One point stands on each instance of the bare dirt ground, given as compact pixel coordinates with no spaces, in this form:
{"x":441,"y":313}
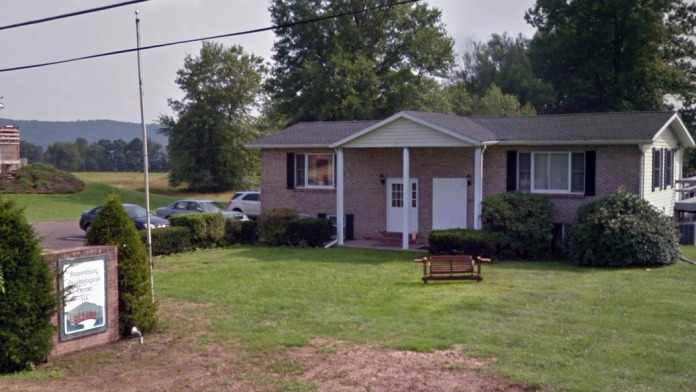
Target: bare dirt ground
{"x":179,"y":359}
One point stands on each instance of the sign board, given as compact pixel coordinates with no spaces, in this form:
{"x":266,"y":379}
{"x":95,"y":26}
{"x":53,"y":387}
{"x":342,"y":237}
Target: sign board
{"x":83,"y":288}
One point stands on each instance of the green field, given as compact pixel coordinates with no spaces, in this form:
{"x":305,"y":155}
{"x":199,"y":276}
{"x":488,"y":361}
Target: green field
{"x":547,"y":323}
{"x":69,"y":206}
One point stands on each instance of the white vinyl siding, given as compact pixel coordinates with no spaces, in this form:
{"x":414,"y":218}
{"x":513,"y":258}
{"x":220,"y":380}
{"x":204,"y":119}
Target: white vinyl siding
{"x":404,"y":133}
{"x":662,"y":198}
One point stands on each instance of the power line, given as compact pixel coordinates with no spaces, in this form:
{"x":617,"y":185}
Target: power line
{"x":71,"y":14}
{"x":245,"y":32}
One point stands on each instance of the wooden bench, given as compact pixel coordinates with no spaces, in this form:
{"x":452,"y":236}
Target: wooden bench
{"x":452,"y":267}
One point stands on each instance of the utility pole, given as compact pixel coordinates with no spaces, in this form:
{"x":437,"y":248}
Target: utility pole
{"x":146,"y":164}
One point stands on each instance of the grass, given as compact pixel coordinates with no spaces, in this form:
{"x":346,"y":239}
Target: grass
{"x":69,"y":206}
{"x":573,"y":329}
{"x":159,"y":184}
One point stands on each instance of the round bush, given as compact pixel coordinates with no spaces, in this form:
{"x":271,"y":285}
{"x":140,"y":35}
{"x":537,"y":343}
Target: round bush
{"x":623,"y":230}
{"x":28,"y":299}
{"x":523,"y":220}
{"x":273,"y":225}
{"x":113,"y":227}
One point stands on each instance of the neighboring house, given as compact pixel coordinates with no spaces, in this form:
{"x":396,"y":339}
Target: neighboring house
{"x":9,"y":149}
{"x":356,"y":169}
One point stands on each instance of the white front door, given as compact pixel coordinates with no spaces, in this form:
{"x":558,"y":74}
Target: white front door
{"x":449,"y":203}
{"x":395,"y":203}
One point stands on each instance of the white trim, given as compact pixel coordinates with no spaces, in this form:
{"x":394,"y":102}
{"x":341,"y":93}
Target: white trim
{"x":340,"y":208}
{"x":478,"y":186}
{"x":570,"y":142}
{"x":532,"y":184}
{"x":641,"y":172}
{"x":286,"y":146}
{"x":406,"y":116}
{"x":406,"y":210}
{"x":684,"y":131}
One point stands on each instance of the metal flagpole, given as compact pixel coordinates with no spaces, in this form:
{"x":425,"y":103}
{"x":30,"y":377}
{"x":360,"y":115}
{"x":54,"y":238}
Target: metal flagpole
{"x":146,"y":165}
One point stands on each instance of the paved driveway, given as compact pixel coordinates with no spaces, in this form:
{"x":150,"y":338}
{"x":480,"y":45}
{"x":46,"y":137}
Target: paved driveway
{"x":57,"y":235}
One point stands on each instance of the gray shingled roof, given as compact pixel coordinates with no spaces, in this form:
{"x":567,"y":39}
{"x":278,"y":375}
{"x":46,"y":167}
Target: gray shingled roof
{"x":632,"y":126}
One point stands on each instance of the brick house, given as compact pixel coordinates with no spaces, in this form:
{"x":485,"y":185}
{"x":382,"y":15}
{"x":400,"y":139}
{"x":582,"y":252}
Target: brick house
{"x":356,"y":170}
{"x":9,"y":149}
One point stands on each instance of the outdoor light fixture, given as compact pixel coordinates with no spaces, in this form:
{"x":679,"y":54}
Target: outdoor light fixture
{"x":382,"y":180}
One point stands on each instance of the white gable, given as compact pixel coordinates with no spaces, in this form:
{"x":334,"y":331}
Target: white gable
{"x":403,"y":132}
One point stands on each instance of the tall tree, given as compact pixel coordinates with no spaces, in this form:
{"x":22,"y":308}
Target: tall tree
{"x":214,"y":119}
{"x":504,"y":61}
{"x":32,"y":152}
{"x":496,"y":103}
{"x":358,"y":67}
{"x":613,"y":55}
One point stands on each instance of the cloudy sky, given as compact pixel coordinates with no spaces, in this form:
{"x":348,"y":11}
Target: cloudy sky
{"x":106,"y":88}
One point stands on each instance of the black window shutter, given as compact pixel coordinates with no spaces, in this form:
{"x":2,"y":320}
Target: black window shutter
{"x":291,"y":170}
{"x":350,"y":227}
{"x":590,"y":172}
{"x":655,"y":169}
{"x":511,"y":171}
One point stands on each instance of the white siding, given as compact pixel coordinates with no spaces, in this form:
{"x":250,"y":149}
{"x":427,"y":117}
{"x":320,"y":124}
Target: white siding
{"x":663,"y":199}
{"x":405,"y":133}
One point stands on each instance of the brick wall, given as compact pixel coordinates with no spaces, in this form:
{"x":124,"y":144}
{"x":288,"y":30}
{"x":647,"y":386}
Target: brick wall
{"x":111,"y":334}
{"x":617,"y":166}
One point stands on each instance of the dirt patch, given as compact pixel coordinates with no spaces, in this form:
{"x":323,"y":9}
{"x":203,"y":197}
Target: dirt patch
{"x":180,"y":358}
{"x":338,"y":367}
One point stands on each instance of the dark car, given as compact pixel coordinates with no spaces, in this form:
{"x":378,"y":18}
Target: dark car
{"x":135,"y":212}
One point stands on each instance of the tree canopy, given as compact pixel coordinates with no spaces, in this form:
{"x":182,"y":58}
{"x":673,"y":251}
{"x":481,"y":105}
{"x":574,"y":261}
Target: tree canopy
{"x":214,"y":119}
{"x":614,"y":55}
{"x":361,"y":67}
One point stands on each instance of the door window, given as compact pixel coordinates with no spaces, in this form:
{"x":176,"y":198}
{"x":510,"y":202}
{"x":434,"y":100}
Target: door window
{"x":397,"y":195}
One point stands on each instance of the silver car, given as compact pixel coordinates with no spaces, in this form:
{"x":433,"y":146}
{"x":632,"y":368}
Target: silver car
{"x":197,"y":206}
{"x":246,"y":202}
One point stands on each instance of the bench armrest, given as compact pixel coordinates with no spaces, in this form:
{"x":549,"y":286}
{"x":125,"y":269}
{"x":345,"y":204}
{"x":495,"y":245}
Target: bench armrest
{"x":420,"y":260}
{"x":483,"y":260}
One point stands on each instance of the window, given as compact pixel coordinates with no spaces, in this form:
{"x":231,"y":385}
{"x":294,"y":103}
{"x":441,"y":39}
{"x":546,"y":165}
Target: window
{"x":552,"y":172}
{"x":668,"y":179}
{"x":314,"y":170}
{"x":657,"y":169}
{"x":251,"y":197}
{"x":397,"y":195}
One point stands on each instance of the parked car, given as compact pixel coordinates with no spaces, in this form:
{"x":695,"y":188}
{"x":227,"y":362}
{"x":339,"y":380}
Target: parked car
{"x":135,"y":212}
{"x":247,"y":202}
{"x":198,"y":206}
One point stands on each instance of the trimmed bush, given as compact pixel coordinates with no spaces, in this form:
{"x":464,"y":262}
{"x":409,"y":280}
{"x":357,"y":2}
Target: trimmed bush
{"x":207,"y":230}
{"x":622,"y":230}
{"x":523,"y":220}
{"x":463,"y":241}
{"x":169,"y":240}
{"x":273,"y":225}
{"x":312,"y":232}
{"x":113,"y":227}
{"x":238,"y":232}
{"x":29,"y":299}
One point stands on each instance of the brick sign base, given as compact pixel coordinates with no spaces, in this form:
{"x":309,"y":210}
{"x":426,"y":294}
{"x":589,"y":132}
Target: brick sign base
{"x":109,"y":332}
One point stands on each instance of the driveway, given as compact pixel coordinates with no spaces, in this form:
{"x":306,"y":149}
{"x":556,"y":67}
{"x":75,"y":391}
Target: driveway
{"x":57,"y":235}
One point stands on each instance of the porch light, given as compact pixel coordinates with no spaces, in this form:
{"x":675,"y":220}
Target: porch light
{"x":382,"y":180}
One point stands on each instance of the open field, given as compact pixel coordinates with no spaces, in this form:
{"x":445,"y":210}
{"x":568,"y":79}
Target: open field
{"x":69,"y":206}
{"x":158,"y":184}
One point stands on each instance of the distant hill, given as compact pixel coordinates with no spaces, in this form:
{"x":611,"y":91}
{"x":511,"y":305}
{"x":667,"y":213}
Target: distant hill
{"x":44,"y":133}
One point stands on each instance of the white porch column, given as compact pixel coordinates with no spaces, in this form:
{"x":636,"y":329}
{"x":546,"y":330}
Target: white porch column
{"x":478,"y":186}
{"x":406,"y":210}
{"x":340,"y":208}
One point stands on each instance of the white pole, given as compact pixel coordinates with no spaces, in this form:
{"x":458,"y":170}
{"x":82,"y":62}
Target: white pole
{"x":340,"y":207}
{"x":146,"y":166}
{"x":478,"y":186}
{"x":406,"y":177}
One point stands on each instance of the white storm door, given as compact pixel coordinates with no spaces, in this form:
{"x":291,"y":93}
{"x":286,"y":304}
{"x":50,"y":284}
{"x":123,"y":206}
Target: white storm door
{"x":395,"y":203}
{"x":449,"y":203}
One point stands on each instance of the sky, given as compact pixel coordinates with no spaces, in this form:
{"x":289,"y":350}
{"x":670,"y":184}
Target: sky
{"x":107,"y":88}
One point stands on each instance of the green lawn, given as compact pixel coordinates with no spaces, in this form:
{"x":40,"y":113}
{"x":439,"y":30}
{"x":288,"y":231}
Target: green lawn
{"x":575,"y":329}
{"x":69,"y":206}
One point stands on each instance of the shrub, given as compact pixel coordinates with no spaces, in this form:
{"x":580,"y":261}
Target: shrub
{"x":207,"y":230}
{"x":40,"y":178}
{"x":463,"y":241}
{"x":523,"y":220}
{"x":313,"y":232}
{"x":622,"y":230}
{"x":29,"y":299}
{"x":238,"y":232}
{"x":113,"y":227}
{"x":169,"y":240}
{"x":273,"y":225}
